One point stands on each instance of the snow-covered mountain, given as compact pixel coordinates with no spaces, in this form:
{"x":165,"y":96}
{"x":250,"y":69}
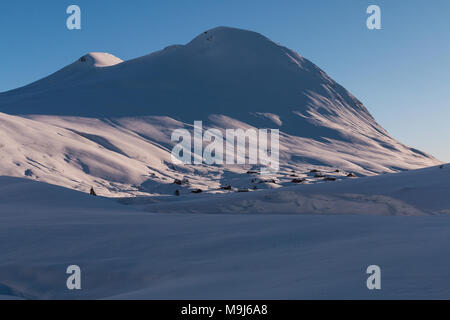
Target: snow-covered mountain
{"x":106,"y":123}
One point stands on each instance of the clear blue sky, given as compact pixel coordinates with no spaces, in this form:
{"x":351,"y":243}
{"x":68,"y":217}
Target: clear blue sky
{"x":401,"y":73}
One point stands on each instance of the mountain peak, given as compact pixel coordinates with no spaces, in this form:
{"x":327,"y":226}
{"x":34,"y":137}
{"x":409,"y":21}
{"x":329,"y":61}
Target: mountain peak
{"x":223,"y":36}
{"x":99,"y":59}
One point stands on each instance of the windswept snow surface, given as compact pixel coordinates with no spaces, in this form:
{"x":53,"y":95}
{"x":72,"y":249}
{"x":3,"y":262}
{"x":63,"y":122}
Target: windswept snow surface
{"x":412,"y":193}
{"x":106,"y":123}
{"x":129,"y":254}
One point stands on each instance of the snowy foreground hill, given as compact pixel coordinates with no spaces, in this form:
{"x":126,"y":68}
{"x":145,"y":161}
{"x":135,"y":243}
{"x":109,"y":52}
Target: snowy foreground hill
{"x":126,"y":253}
{"x":107,"y":123}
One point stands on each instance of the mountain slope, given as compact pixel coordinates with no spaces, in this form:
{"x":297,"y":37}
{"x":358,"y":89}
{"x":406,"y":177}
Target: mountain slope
{"x":228,"y":78}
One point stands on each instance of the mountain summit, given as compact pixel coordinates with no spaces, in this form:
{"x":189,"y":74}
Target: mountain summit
{"x":99,"y":59}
